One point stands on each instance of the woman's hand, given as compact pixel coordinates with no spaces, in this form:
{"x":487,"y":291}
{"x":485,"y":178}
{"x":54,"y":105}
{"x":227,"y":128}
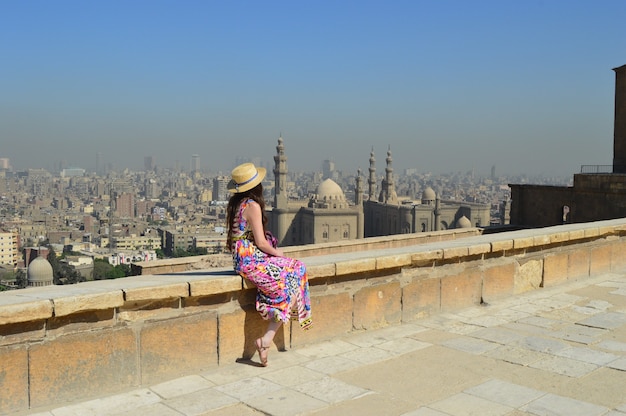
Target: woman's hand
{"x":253,"y":215}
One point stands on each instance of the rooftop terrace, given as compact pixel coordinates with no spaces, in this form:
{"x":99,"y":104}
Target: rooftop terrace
{"x":64,"y":345}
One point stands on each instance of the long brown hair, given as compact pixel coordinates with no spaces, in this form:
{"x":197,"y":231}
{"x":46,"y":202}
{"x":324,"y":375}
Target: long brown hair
{"x":256,"y":194}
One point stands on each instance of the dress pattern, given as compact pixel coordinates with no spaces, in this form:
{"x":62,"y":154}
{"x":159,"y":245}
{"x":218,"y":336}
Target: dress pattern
{"x":282,"y":283}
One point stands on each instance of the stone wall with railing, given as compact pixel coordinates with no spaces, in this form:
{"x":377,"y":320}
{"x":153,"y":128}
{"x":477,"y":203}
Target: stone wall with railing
{"x":65,"y":343}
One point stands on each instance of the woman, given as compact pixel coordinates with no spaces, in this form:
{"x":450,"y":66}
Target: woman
{"x":282,"y":284}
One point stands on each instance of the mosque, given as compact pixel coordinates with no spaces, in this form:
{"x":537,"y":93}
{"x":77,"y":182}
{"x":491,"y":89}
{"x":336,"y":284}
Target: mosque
{"x":39,"y":270}
{"x":329,"y":217}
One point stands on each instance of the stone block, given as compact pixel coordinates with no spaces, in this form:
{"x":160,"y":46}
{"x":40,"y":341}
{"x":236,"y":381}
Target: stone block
{"x":578,"y":263}
{"x":163,"y":291}
{"x":137,"y":311}
{"x":618,"y":259}
{"x":461,"y":290}
{"x":355,"y":266}
{"x":523,"y":242}
{"x":558,"y":237}
{"x":600,"y":259}
{"x":80,"y":322}
{"x":606,"y":230}
{"x":541,"y":240}
{"x":555,"y":269}
{"x":578,"y":234}
{"x":393,"y":261}
{"x":332,"y":317}
{"x":22,"y":332}
{"x":68,"y":305}
{"x":82,"y":365}
{"x":13,"y":379}
{"x":498,"y":280}
{"x":594,"y":232}
{"x":421,"y":298}
{"x":529,"y":276}
{"x":423,"y":257}
{"x":455,"y":252}
{"x":15,"y":309}
{"x":501,"y":245}
{"x":477,"y":249}
{"x":378,"y":305}
{"x":178,"y":346}
{"x":216,"y":285}
{"x":237,"y":333}
{"x":320,"y":271}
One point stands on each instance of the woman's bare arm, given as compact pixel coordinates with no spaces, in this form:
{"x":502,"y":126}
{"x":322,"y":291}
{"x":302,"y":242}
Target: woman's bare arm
{"x":253,"y":215}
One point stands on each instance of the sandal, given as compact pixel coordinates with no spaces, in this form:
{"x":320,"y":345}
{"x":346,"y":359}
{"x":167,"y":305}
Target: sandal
{"x":263,"y":351}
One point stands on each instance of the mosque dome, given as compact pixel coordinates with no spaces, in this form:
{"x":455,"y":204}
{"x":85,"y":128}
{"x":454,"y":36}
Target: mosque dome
{"x":428,"y":195}
{"x":40,"y":272}
{"x":463,"y":222}
{"x":328,"y":195}
{"x":328,"y":190}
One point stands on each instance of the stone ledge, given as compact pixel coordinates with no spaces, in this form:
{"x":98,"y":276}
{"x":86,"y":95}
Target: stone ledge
{"x":45,"y":302}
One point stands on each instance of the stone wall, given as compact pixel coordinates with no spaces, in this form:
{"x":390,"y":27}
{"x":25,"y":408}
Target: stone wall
{"x":64,"y":343}
{"x":593,"y":197}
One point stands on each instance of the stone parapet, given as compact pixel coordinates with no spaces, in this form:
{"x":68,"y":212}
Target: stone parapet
{"x":64,"y":343}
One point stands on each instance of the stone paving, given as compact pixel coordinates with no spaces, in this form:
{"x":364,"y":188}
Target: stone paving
{"x":555,"y":351}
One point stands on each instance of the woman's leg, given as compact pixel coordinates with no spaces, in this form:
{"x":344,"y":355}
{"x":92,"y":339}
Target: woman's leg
{"x":272,"y":328}
{"x":263,"y":343}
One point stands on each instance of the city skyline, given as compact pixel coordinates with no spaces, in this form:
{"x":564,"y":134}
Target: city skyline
{"x":449,"y":86}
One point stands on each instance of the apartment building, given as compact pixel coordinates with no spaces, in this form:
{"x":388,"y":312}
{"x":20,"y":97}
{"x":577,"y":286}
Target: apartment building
{"x":9,"y":253}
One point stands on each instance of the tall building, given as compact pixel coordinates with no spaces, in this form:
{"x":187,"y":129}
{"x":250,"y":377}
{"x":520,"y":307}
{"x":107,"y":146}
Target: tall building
{"x":124,"y":205}
{"x":220,"y":190}
{"x":5,"y":163}
{"x":148,"y":163}
{"x":9,"y":253}
{"x":328,"y":169}
{"x":195,"y":163}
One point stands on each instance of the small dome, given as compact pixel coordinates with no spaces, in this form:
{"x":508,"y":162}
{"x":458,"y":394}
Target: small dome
{"x":329,"y":190}
{"x":463,"y":222}
{"x":429,"y":194}
{"x":40,"y":272}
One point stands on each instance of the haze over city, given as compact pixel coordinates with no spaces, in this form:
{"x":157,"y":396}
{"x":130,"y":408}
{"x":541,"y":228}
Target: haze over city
{"x":448,"y":85}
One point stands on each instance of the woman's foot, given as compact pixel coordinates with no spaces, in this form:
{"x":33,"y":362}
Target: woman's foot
{"x":263,"y":351}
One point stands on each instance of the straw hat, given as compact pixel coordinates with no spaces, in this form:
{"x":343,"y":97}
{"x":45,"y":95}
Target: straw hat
{"x":245,"y":177}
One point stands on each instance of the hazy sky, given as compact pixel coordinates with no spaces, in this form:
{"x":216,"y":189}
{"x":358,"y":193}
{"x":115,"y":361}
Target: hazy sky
{"x":449,"y":85}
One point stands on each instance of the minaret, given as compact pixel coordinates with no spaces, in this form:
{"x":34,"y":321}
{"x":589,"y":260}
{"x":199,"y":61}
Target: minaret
{"x":358,"y":201}
{"x":358,"y":197}
{"x":280,"y":176}
{"x":372,"y":179}
{"x":619,"y":129}
{"x":437,"y":212}
{"x":390,"y":191}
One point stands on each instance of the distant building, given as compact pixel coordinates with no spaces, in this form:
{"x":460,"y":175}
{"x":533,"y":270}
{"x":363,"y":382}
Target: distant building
{"x":195,"y":163}
{"x":124,"y":205}
{"x":72,"y":172}
{"x":220,"y":190}
{"x":9,"y":253}
{"x":329,"y":217}
{"x":325,"y":217}
{"x":388,"y":215}
{"x":39,"y":270}
{"x":148,"y":163}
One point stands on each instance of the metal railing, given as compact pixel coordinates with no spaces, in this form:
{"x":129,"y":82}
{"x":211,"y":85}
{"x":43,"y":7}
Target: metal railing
{"x":601,"y":168}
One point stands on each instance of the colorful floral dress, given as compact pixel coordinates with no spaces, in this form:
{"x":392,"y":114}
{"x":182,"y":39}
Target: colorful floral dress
{"x":283,"y":287}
